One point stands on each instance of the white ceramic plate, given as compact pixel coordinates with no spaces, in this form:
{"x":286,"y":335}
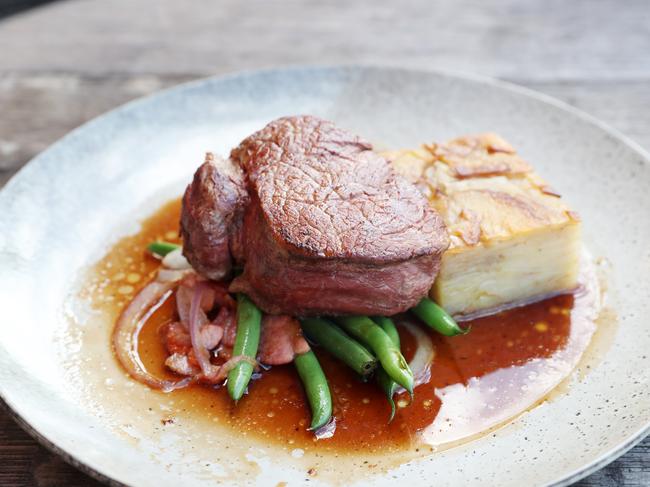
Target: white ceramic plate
{"x":69,"y":204}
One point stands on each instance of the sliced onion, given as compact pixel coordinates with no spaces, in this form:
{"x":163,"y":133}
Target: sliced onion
{"x":197,"y":319}
{"x":172,"y":275}
{"x":420,"y":364}
{"x":175,"y":260}
{"x":220,"y":372}
{"x":127,"y":329}
{"x":327,"y":430}
{"x":229,"y":364}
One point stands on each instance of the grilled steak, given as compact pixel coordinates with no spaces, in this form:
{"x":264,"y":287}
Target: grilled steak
{"x":328,"y":228}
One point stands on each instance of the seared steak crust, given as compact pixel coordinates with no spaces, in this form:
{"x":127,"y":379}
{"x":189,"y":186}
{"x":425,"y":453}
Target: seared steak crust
{"x":325,"y":194}
{"x":329,"y":228}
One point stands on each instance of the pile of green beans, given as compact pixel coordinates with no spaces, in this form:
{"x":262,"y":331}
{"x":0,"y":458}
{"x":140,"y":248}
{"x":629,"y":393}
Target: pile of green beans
{"x":376,"y":339}
{"x":359,"y":339}
{"x":338,"y":343}
{"x":369,"y":346}
{"x":379,"y":335}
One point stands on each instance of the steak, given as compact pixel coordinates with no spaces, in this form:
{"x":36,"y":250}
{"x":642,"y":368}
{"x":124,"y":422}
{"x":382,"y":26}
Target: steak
{"x":328,"y":227}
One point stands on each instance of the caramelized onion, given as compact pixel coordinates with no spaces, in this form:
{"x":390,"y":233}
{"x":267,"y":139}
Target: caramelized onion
{"x":327,"y":430}
{"x":128,"y":326}
{"x":172,"y":275}
{"x":220,"y":372}
{"x":175,"y":260}
{"x":231,"y":362}
{"x":420,"y":364}
{"x":196,"y":320}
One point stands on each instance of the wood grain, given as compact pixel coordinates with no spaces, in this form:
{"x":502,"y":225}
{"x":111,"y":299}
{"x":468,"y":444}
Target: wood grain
{"x":66,"y":62}
{"x":23,"y":462}
{"x":551,"y":39}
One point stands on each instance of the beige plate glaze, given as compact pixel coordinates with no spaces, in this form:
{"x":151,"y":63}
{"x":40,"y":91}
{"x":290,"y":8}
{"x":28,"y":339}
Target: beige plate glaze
{"x":64,"y":209}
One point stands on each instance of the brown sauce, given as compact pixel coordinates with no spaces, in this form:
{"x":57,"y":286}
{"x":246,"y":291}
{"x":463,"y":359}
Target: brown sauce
{"x":506,"y":364}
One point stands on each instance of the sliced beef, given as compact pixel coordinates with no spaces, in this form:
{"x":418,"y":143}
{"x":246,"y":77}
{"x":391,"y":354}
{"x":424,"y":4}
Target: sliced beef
{"x":328,"y":227}
{"x":213,"y":207}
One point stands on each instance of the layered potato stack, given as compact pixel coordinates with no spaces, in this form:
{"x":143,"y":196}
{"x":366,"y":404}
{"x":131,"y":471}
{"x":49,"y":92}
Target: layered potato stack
{"x":513,"y":239}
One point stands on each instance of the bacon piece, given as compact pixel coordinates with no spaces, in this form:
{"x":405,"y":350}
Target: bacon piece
{"x":176,"y":338}
{"x":180,"y":364}
{"x":281,"y":340}
{"x":300,"y":345}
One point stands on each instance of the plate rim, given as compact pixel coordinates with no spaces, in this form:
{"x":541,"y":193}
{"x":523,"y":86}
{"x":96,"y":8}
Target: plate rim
{"x":574,"y":476}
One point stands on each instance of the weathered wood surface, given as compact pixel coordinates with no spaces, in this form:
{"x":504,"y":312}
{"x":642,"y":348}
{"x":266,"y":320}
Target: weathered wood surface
{"x":541,"y":40}
{"x":67,"y":62}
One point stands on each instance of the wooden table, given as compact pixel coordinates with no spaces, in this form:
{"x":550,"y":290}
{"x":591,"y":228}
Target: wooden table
{"x":67,"y":62}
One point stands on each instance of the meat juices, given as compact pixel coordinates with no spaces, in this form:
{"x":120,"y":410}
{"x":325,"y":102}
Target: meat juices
{"x":327,"y":225}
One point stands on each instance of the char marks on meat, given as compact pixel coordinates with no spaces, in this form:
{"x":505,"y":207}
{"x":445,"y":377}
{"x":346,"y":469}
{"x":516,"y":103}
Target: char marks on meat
{"x":327,"y":228}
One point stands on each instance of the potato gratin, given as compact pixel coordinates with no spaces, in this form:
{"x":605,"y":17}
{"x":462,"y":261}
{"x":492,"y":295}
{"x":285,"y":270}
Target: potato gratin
{"x":513,"y":239}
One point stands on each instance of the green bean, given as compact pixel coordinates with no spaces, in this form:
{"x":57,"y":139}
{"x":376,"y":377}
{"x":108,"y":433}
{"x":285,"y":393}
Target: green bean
{"x":388,"y":385}
{"x":389,"y":327}
{"x":389,"y":355}
{"x":316,"y":388}
{"x":162,"y":248}
{"x":338,"y":343}
{"x":437,"y":318}
{"x":249,"y":321}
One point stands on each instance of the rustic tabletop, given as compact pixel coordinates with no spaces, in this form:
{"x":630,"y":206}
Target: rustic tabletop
{"x":66,"y":62}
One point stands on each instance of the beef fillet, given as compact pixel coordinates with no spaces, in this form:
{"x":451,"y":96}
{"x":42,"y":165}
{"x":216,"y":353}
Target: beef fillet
{"x":328,"y":227}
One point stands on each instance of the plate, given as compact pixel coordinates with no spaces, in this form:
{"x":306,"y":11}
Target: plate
{"x":67,"y":206}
